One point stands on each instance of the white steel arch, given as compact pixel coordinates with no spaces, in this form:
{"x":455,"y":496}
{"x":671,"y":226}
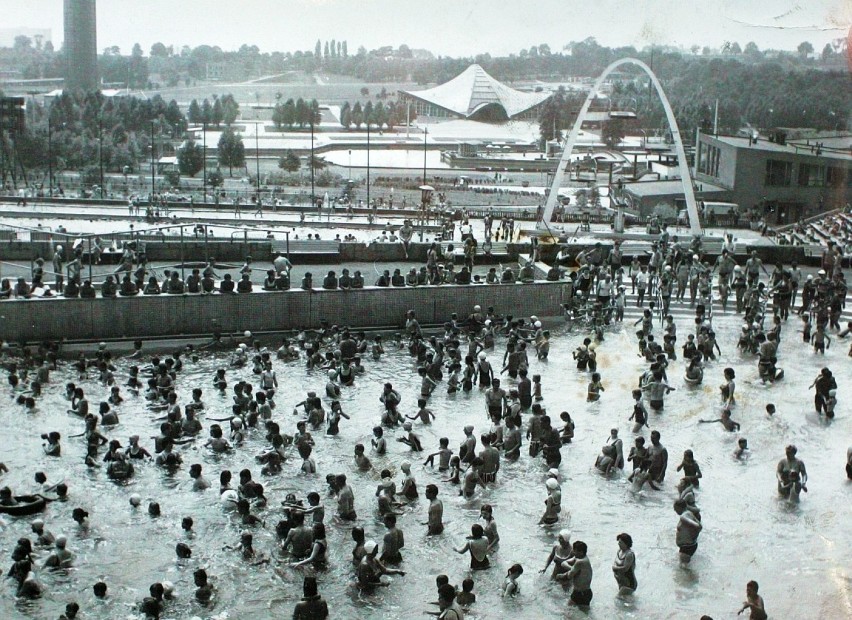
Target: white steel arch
{"x":683,"y":166}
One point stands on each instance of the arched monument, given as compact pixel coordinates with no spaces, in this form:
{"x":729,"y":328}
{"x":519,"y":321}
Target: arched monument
{"x":683,"y":166}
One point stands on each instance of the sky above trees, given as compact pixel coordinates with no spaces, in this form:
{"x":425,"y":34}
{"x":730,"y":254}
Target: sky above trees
{"x":448,"y":27}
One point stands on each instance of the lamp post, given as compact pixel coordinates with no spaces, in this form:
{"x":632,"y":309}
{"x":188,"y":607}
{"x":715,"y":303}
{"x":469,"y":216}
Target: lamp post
{"x":153,"y":189}
{"x":425,"y":199}
{"x":100,"y":152}
{"x":350,"y":164}
{"x":368,"y":164}
{"x":311,"y":161}
{"x":50,"y":157}
{"x":257,"y":160}
{"x":204,"y":149}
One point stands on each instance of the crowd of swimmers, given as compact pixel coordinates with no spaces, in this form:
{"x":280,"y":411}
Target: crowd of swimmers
{"x":461,"y":357}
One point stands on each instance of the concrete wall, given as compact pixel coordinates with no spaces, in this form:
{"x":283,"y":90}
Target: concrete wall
{"x":167,"y":315}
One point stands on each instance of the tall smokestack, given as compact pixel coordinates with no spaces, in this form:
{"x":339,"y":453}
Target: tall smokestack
{"x":81,"y":46}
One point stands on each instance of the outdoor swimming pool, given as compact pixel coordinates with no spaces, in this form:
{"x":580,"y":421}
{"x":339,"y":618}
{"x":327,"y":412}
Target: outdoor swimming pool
{"x":799,"y":555}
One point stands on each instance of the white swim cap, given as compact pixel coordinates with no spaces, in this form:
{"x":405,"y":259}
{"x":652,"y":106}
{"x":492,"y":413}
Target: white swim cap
{"x":135,"y":500}
{"x":477,"y":308}
{"x":695,"y":257}
{"x":553,"y":472}
{"x":370,"y":546}
{"x":332,"y":374}
{"x":482,"y":356}
{"x":247,"y":334}
{"x":551,"y":484}
{"x":229,"y":498}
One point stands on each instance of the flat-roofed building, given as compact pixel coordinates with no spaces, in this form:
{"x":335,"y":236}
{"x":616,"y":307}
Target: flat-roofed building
{"x":783,"y":179}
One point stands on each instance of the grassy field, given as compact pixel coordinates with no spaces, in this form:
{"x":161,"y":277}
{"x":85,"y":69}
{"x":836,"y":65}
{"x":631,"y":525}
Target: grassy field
{"x":326,"y":89}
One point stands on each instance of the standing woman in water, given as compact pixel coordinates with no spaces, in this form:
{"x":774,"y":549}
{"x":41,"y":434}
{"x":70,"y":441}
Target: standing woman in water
{"x":624,"y":566}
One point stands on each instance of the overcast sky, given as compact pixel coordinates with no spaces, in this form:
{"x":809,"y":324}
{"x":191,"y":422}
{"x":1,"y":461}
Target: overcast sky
{"x":448,"y":27}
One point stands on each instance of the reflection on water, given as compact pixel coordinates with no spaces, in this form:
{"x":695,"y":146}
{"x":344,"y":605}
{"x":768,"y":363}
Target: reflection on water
{"x":799,"y":555}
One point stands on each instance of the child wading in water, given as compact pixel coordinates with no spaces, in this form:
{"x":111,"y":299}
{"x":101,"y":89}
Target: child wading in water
{"x":595,"y":388}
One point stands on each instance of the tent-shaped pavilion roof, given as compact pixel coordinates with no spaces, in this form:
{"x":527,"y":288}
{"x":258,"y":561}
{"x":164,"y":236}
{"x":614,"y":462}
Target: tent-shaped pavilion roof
{"x":473,"y":89}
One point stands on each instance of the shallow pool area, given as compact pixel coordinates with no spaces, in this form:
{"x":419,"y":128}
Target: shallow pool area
{"x":798,"y":554}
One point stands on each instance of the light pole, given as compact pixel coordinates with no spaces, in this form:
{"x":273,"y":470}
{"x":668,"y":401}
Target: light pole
{"x":153,"y":189}
{"x":311,"y":162}
{"x":100,"y":152}
{"x":50,"y":157}
{"x":204,"y":149}
{"x":257,"y":160}
{"x":368,"y":164}
{"x":350,"y":164}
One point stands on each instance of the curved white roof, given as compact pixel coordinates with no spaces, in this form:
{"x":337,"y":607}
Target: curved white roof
{"x":473,"y":89}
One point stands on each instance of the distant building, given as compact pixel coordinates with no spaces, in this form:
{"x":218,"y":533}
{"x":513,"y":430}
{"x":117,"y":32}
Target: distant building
{"x":785,"y":179}
{"x":475,"y":95}
{"x":81,"y":46}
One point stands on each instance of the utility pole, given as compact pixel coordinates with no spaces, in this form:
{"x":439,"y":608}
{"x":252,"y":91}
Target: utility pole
{"x":311,"y":162}
{"x":204,"y":148}
{"x":368,"y":164}
{"x":153,"y":189}
{"x":101,"y":152}
{"x":49,"y":156}
{"x":257,"y":160}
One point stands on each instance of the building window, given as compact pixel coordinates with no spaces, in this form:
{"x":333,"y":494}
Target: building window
{"x":709,"y":160}
{"x":811,"y":175}
{"x":778,"y":173}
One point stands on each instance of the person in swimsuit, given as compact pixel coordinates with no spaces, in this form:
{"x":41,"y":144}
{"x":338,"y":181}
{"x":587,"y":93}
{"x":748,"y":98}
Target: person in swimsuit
{"x":436,"y":511}
{"x":754,"y":603}
{"x":553,"y":503}
{"x":786,"y":467}
{"x":624,"y":566}
{"x":561,"y":556}
{"x":688,"y":528}
{"x":477,"y":545}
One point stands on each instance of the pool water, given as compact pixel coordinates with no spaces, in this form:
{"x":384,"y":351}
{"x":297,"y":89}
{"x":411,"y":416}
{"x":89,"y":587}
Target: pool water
{"x":799,"y":555}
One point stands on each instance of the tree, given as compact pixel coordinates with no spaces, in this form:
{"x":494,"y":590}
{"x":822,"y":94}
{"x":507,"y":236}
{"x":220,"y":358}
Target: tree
{"x":346,"y":116}
{"x":369,"y":117}
{"x":735,"y":49}
{"x":137,"y":51}
{"x":317,"y":163}
{"x":318,"y":50}
{"x":232,"y":151}
{"x":22,"y":42}
{"x":365,"y":92}
{"x":345,"y":50}
{"x":190,"y":159}
{"x":357,"y":115}
{"x":325,"y":52}
{"x":303,"y":115}
{"x":751,"y":51}
{"x":379,"y":115}
{"x":613,"y":132}
{"x":805,"y":49}
{"x":288,"y":116}
{"x":289,"y":161}
{"x":230,"y":109}
{"x":827,"y":52}
{"x":206,"y":111}
{"x":218,"y":114}
{"x":194,"y":113}
{"x":158,"y":50}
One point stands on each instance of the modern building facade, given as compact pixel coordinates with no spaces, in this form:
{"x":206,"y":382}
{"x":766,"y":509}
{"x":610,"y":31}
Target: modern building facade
{"x":81,"y":46}
{"x":784,"y":180}
{"x":475,"y":95}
